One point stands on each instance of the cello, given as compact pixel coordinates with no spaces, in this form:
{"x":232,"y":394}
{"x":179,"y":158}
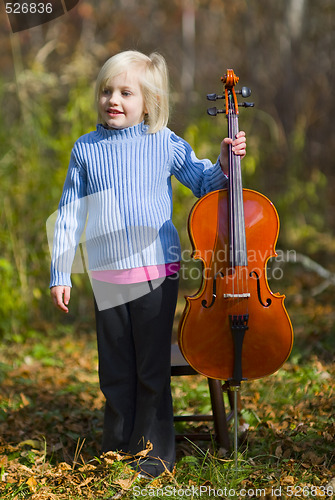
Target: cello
{"x":234,"y":328}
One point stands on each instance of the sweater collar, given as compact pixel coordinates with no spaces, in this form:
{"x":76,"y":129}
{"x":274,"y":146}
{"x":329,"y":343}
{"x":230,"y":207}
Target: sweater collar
{"x":124,"y":133}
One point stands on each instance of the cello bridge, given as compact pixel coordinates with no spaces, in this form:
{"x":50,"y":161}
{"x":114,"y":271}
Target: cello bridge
{"x":236,"y":295}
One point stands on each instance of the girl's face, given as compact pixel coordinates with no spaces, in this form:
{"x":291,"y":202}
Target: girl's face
{"x":121,"y":102}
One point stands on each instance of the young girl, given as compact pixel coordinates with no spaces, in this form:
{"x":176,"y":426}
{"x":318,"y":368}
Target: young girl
{"x":120,"y":176}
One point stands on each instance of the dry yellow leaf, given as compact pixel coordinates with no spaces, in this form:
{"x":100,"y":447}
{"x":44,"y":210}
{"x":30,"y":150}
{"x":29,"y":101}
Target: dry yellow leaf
{"x":144,"y":453}
{"x":24,"y":400}
{"x":288,"y":480}
{"x":125,"y":483}
{"x":32,"y":483}
{"x":110,"y":457}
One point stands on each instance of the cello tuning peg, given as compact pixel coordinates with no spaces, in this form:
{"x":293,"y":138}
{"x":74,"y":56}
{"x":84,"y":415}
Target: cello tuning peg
{"x":214,"y":111}
{"x":247,"y":104}
{"x":214,"y":97}
{"x":245,"y":91}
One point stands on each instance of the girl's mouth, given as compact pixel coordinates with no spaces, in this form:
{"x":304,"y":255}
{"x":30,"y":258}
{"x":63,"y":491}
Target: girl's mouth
{"x":114,"y":112}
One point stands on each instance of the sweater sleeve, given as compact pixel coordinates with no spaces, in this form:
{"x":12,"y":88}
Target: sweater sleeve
{"x":201,"y":176}
{"x":70,"y":223}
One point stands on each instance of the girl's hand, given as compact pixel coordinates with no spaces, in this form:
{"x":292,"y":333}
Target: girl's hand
{"x":239,"y":147}
{"x":57,"y":293}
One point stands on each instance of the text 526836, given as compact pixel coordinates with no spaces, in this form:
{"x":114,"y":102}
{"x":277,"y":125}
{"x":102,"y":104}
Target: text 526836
{"x":28,"y":8}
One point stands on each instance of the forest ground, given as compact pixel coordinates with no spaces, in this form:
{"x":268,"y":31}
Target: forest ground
{"x":51,"y":413}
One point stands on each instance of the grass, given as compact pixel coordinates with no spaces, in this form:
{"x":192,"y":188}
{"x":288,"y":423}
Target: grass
{"x":51,"y":413}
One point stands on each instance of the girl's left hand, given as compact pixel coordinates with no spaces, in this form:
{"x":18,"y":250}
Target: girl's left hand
{"x":239,"y":147}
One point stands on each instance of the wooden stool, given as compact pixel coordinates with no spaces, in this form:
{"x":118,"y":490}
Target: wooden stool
{"x":180,"y":367}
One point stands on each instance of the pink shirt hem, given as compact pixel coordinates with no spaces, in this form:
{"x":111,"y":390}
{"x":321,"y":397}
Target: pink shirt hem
{"x":136,"y":275}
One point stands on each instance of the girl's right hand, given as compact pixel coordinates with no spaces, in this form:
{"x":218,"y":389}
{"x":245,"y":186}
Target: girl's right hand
{"x":61,"y":296}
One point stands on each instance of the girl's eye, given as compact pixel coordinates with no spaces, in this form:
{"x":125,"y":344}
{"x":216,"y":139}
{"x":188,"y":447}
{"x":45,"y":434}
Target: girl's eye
{"x":106,"y":91}
{"x":126,"y":93}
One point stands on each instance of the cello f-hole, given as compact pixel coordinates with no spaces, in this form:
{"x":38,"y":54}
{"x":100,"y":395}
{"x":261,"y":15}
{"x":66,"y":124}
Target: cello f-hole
{"x":268,"y":301}
{"x":204,"y":302}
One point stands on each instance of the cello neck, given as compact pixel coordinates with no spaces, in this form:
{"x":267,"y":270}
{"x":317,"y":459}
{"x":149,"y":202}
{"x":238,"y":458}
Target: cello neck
{"x":237,"y":239}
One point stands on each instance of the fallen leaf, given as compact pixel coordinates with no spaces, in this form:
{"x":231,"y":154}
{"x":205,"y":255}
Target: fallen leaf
{"x":110,"y":457}
{"x":63,"y":466}
{"x":279,"y":451}
{"x":313,"y":458}
{"x":33,"y":443}
{"x":32,"y":483}
{"x":24,"y":400}
{"x":288,"y":480}
{"x":125,"y":483}
{"x":144,"y":453}
{"x":87,"y":480}
{"x":87,"y":468}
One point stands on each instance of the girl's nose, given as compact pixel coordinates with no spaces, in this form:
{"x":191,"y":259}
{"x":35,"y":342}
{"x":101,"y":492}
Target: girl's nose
{"x":113,"y":98}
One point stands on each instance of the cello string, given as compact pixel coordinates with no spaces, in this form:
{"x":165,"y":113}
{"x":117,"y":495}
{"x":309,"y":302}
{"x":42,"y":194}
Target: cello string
{"x":238,"y":217}
{"x":237,"y":220}
{"x":232,"y":235}
{"x":242,"y":232}
{"x":235,"y":210}
{"x":240,"y":251}
{"x":235,"y":217}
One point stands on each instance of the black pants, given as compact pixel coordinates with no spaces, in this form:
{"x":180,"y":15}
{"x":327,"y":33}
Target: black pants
{"x":134,"y":346}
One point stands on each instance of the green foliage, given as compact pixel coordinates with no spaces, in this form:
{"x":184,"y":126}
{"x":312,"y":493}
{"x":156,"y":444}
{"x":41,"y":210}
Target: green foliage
{"x":12,"y":307}
{"x":35,"y":150}
{"x":302,"y":205}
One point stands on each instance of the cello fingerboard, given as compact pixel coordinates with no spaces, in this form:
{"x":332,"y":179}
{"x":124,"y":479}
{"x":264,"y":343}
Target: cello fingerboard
{"x":237,"y":239}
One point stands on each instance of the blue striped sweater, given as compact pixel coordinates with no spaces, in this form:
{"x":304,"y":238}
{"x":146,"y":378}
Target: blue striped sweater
{"x":119,"y":181}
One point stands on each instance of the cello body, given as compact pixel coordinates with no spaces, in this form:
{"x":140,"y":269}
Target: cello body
{"x":204,"y":333}
{"x":234,"y":328}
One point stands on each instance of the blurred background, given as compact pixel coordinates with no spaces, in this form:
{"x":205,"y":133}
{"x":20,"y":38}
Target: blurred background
{"x":283,"y":51}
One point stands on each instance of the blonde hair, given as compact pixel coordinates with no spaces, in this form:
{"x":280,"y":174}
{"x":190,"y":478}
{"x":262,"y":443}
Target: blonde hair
{"x":153,"y":79}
